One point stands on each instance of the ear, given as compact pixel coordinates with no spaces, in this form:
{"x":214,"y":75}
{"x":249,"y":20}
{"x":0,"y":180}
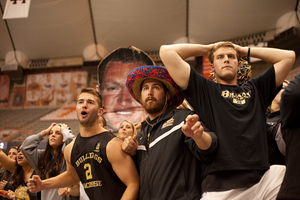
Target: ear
{"x":168,"y":95}
{"x":100,"y":111}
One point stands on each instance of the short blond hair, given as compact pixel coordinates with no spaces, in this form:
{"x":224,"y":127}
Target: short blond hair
{"x":222,"y":44}
{"x":132,"y":125}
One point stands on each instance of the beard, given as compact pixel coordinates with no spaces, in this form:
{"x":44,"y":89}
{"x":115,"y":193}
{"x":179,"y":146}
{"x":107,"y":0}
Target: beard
{"x":90,"y":121}
{"x":154,"y":107}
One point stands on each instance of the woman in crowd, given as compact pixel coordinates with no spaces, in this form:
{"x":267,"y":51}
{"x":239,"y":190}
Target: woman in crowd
{"x":12,"y":154}
{"x":50,"y":161}
{"x":21,"y":172}
{"x":126,"y":129}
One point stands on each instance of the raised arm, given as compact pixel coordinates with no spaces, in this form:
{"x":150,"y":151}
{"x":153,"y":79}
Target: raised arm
{"x":282,"y":60}
{"x":8,"y":163}
{"x":173,"y":57}
{"x":65,"y":179}
{"x":67,"y":133}
{"x":124,"y":167}
{"x":30,"y":150}
{"x":193,"y":128}
{"x":205,"y":142}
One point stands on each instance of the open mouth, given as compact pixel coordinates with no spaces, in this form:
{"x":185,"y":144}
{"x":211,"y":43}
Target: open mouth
{"x":83,"y":113}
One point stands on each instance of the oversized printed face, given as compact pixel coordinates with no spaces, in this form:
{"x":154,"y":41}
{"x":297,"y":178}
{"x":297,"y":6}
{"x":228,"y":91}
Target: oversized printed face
{"x":117,"y":101}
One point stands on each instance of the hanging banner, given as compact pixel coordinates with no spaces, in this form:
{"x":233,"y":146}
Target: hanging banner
{"x":206,"y":67}
{"x":16,"y":9}
{"x":54,"y":89}
{"x":4,"y":88}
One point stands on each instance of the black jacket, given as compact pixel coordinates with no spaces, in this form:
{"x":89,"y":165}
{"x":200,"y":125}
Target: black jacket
{"x":290,"y":113}
{"x":169,"y":163}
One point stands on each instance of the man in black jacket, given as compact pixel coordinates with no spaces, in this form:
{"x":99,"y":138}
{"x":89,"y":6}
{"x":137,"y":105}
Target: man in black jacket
{"x":172,"y":142}
{"x":290,"y":127}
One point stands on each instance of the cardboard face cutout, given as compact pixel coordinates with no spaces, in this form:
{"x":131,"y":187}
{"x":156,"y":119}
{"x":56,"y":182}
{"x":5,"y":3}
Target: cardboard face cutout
{"x":112,"y":73}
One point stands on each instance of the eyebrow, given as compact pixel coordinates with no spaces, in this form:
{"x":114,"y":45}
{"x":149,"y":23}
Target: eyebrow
{"x":224,"y":54}
{"x":113,"y":83}
{"x":85,"y":100}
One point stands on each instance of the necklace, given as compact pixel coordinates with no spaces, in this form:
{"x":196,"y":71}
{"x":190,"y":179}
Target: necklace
{"x":148,"y":135}
{"x":153,"y":123}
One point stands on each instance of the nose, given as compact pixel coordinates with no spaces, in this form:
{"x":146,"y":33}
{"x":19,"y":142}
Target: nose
{"x":84,"y":104}
{"x":226,"y":58}
{"x":124,"y":97}
{"x":150,"y":91}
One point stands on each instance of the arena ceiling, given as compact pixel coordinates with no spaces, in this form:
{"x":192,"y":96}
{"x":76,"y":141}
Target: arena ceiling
{"x":71,"y":28}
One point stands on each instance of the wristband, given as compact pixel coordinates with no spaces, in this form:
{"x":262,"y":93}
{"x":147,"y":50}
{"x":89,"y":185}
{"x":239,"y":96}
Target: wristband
{"x":249,"y":52}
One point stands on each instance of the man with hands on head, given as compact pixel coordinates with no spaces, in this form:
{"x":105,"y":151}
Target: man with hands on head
{"x":95,"y":157}
{"x":235,"y":113}
{"x":168,"y":151}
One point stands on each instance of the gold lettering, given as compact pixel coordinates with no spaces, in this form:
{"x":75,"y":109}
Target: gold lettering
{"x":92,"y":155}
{"x":87,"y":156}
{"x":236,"y":98}
{"x":92,"y":184}
{"x":88,"y":171}
{"x":77,"y":163}
{"x":225,"y":93}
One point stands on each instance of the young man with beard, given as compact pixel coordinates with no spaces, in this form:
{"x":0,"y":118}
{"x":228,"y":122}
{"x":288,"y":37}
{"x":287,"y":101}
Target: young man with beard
{"x":240,"y":169}
{"x":168,"y":151}
{"x":95,"y":157}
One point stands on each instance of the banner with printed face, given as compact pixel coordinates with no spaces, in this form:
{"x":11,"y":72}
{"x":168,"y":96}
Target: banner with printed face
{"x":19,"y":97}
{"x":54,"y":89}
{"x":118,"y":104}
{"x":4,"y":88}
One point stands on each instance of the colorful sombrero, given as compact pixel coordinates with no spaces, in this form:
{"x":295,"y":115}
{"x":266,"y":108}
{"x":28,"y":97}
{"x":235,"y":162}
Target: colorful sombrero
{"x":138,"y":75}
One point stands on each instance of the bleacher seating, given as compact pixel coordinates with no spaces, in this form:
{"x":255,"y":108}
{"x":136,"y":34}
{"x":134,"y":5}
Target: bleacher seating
{"x":20,"y":123}
{"x":15,"y":118}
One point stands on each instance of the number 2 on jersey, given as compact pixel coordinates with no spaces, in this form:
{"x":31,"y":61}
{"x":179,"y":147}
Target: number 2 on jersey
{"x":88,"y":172}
